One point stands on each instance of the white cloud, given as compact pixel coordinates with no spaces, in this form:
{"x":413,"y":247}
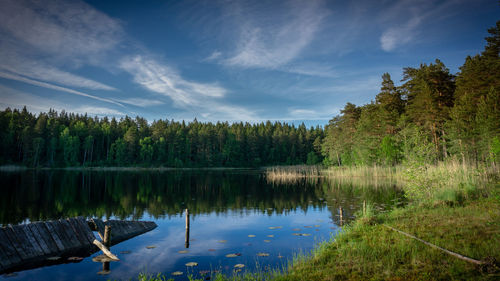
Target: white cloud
{"x":202,"y":99}
{"x":17,"y":99}
{"x":265,"y":45}
{"x":60,"y":28}
{"x":54,"y":87}
{"x":214,"y":56}
{"x":406,"y":18}
{"x":142,"y":102}
{"x":42,"y":71}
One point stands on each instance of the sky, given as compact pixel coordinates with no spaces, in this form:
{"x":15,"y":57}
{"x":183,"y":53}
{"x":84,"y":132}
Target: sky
{"x":293,"y":61}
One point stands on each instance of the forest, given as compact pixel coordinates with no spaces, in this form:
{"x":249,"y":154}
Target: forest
{"x":431,"y":116}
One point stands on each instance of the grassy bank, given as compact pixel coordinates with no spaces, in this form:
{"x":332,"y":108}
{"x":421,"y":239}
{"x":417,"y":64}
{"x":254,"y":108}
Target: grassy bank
{"x":454,"y":206}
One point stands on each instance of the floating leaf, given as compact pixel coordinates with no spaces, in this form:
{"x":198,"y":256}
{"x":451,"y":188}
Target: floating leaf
{"x":280,"y":256}
{"x":270,"y":235}
{"x":222,"y":241}
{"x":251,"y":235}
{"x":240,"y":265}
{"x":263,"y":254}
{"x":101,"y":258}
{"x":211,"y":250}
{"x":125,"y":252}
{"x":306,"y":234}
{"x":296,"y":229}
{"x":317,"y":225}
{"x":75,"y":258}
{"x":267,"y":241}
{"x":177,"y":273}
{"x":275,"y":227}
{"x":308,"y":226}
{"x":231,"y":255}
{"x":151,"y":247}
{"x":53,"y":258}
{"x":237,"y":270}
{"x":183,"y":252}
{"x":192,"y":264}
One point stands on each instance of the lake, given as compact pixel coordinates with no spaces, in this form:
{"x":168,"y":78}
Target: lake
{"x":258,"y":223}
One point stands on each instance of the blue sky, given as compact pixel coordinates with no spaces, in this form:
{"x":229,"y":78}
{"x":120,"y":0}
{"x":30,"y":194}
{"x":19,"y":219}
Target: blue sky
{"x":224,"y":60}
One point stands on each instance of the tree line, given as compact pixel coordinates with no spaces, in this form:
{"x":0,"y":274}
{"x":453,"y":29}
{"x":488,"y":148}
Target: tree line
{"x":431,"y":116}
{"x":64,"y":139}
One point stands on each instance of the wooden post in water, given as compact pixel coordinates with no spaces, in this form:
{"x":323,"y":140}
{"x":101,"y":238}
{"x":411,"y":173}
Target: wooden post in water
{"x":107,"y":243}
{"x":186,"y":244}
{"x":341,"y":214}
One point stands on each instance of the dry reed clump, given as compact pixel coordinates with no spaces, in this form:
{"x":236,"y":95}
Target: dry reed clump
{"x":292,"y":174}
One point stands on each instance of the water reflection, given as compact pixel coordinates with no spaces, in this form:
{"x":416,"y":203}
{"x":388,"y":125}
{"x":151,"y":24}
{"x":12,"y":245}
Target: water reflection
{"x":215,"y":218}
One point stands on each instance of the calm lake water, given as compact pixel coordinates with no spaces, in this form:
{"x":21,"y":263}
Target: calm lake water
{"x":225,"y":206}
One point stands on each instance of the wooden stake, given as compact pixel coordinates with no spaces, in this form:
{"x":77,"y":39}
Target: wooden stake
{"x":186,"y":244}
{"x":341,"y":214}
{"x":364,"y":207}
{"x":107,"y":236}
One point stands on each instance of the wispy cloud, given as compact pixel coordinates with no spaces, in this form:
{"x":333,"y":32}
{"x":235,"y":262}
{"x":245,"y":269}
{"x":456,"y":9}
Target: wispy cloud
{"x":54,"y":87}
{"x":271,"y":46}
{"x":407,"y":17}
{"x":142,"y":102}
{"x":17,"y":99}
{"x":58,"y":27}
{"x":204,"y":99}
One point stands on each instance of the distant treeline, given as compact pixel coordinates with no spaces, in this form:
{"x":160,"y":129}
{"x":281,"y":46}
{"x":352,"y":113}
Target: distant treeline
{"x":433,"y":115}
{"x":61,"y":139}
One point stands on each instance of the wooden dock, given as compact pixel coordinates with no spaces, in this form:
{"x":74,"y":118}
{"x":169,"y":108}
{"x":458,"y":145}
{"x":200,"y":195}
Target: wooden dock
{"x":36,"y":244}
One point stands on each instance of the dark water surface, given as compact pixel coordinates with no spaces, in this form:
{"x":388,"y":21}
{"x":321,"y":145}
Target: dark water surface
{"x":225,"y":206}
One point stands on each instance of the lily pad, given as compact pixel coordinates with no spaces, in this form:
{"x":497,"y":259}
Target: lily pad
{"x":240,"y":265}
{"x":191,"y":264}
{"x":125,"y":252}
{"x":267,"y":241}
{"x":222,"y":241}
{"x":275,"y":227}
{"x":75,"y":258}
{"x":53,"y":258}
{"x":263,"y":254}
{"x":251,"y":235}
{"x":270,"y":235}
{"x":183,"y":252}
{"x":151,"y":247}
{"x":177,"y":273}
{"x":101,"y":258}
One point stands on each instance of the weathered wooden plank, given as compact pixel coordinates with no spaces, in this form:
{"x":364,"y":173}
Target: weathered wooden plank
{"x":4,"y":262}
{"x":78,"y":232}
{"x":32,"y":241}
{"x":62,"y":234}
{"x":38,"y":237}
{"x":85,"y":230}
{"x":75,"y":244}
{"x":10,"y":253}
{"x":53,"y":233}
{"x":9,"y":232}
{"x":105,"y":250}
{"x":28,"y":247}
{"x":44,"y":233}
